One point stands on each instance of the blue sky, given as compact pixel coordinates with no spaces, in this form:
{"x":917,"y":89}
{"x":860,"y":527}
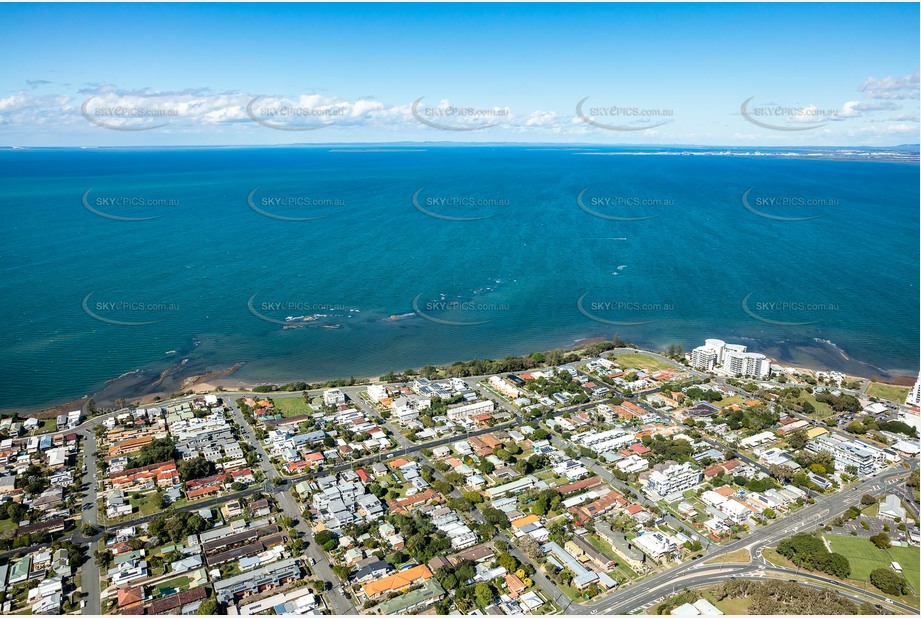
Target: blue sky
{"x":813,"y":74}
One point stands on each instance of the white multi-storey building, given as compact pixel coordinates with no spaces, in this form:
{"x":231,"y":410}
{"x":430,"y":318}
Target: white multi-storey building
{"x":748,"y":364}
{"x":914,"y":395}
{"x":731,"y":358}
{"x":704,"y":358}
{"x":471,"y":409}
{"x":677,"y":477}
{"x":333,"y":397}
{"x":867,"y":459}
{"x":376,"y":392}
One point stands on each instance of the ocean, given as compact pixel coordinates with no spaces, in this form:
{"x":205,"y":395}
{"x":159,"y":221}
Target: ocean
{"x":325,"y":262}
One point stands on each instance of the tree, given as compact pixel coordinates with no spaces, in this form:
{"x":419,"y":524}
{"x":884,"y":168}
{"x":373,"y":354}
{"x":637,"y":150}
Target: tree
{"x":196,"y":468}
{"x":868,"y":499}
{"x":881,"y":540}
{"x":460,"y":504}
{"x":496,"y":517}
{"x":158,"y":450}
{"x":209,"y":607}
{"x":484,"y":595}
{"x":888,"y":581}
{"x":781,"y":472}
{"x":324,"y":537}
{"x":507,"y":561}
{"x":474,"y":497}
{"x":837,"y":565}
{"x":856,"y":427}
{"x":529,"y":547}
{"x":342,"y":572}
{"x":798,"y":439}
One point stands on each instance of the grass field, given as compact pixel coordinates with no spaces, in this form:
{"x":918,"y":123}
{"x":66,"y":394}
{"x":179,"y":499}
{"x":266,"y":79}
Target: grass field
{"x":740,"y":555}
{"x":822,"y":410}
{"x":7,"y":524}
{"x":47,"y":425}
{"x":889,"y":392}
{"x":864,"y":557}
{"x":641,"y":361}
{"x":292,"y":406}
{"x":728,"y":401}
{"x":730,"y":607}
{"x":146,"y":504}
{"x":771,"y":555}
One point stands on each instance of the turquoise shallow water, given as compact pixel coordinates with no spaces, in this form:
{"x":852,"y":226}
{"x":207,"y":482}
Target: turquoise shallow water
{"x":686,"y":256}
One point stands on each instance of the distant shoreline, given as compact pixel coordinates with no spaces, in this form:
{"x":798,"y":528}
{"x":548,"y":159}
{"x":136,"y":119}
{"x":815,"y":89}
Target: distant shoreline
{"x":142,"y":390}
{"x":900,"y":153}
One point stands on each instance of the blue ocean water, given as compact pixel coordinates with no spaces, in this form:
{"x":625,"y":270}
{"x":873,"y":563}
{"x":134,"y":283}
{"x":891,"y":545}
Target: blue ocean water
{"x":659,"y":248}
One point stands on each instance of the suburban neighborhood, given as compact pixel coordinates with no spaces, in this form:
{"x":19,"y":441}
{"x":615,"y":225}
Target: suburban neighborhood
{"x":558,"y":488}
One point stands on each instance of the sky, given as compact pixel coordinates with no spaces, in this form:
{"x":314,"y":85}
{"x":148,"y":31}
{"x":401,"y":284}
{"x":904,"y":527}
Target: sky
{"x":644,"y":74}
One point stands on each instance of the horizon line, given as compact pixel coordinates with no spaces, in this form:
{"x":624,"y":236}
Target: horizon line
{"x":463,"y":143}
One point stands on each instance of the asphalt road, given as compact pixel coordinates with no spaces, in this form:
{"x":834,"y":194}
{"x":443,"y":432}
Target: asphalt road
{"x":691,"y":574}
{"x":322,"y":569}
{"x":622,"y":601}
{"x":89,"y":572}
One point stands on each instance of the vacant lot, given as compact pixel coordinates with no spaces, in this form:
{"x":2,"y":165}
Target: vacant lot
{"x":641,"y":361}
{"x":889,"y":392}
{"x":822,"y":410}
{"x":292,"y":406}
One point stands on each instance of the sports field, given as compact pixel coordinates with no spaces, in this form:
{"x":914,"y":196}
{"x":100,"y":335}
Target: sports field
{"x":864,"y":557}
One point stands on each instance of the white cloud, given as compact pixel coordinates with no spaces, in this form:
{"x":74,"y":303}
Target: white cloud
{"x":856,"y":109}
{"x":541,"y":119}
{"x":905,"y":87}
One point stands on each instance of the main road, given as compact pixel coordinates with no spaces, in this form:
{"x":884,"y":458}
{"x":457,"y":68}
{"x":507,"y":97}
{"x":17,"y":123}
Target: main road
{"x":695,"y":573}
{"x":621,"y":601}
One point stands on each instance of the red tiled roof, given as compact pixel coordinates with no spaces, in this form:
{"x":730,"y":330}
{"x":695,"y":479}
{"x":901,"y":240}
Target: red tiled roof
{"x":129,"y":596}
{"x":578,"y":485}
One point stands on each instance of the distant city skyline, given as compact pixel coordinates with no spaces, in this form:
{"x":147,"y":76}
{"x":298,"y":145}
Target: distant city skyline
{"x":635,"y":74}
